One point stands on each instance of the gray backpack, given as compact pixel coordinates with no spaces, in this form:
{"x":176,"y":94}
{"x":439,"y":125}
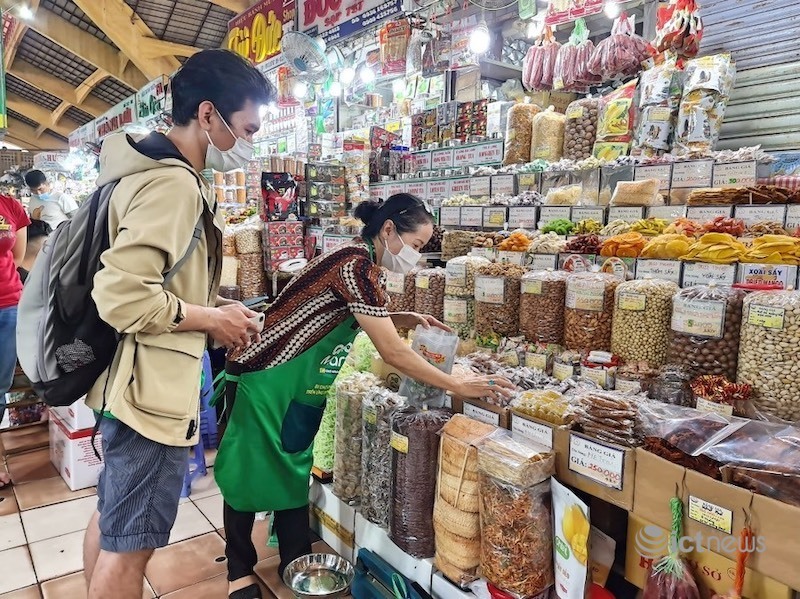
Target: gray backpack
{"x":63,"y":344}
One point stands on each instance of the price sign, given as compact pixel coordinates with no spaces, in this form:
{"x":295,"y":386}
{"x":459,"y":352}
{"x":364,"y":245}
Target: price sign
{"x":330,"y":242}
{"x":522,"y":217}
{"x":438,"y":189}
{"x":376,"y":192}
{"x":528,"y":181}
{"x":601,"y":463}
{"x":735,"y":174}
{"x":544,"y":261}
{"x":464,"y":156}
{"x":494,"y":217}
{"x":792,"y":217}
{"x":417,"y":188}
{"x":481,"y":414}
{"x":489,"y":153}
{"x":471,"y":216}
{"x":702,"y":273}
{"x":422,"y":161}
{"x":710,"y":514}
{"x":506,"y":257}
{"x":666,"y":212}
{"x":548,"y":213}
{"x":702,"y":214}
{"x":442,"y":158}
{"x":488,"y":253}
{"x":395,"y":188}
{"x":480,"y":187}
{"x":756,"y":213}
{"x":692,"y":174}
{"x":450,"y":216}
{"x":580,"y":213}
{"x":504,"y":185}
{"x":460,"y":186}
{"x":532,"y":431}
{"x":767,"y":274}
{"x":629,"y":214}
{"x":662,"y":172}
{"x":668,"y":270}
{"x":490,"y":290}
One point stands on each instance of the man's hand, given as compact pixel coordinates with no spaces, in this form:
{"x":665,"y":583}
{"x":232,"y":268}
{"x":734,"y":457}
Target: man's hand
{"x":37,"y":214}
{"x":230,"y":326}
{"x":410,"y":320}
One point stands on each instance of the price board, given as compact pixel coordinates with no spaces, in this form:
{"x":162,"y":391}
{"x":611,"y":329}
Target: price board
{"x":442,"y":158}
{"x":761,"y":212}
{"x":629,"y":214}
{"x":480,"y":187}
{"x":504,"y":185}
{"x":522,"y":217}
{"x":460,"y":186}
{"x":692,"y":174}
{"x":548,"y":213}
{"x":489,"y":153}
{"x":666,"y":212}
{"x":464,"y":156}
{"x":703,"y":273}
{"x":702,"y":214}
{"x":661,"y":172}
{"x":494,"y":217}
{"x":580,"y":213}
{"x":471,"y":216}
{"x":422,"y":161}
{"x":450,"y":216}
{"x":735,"y":174}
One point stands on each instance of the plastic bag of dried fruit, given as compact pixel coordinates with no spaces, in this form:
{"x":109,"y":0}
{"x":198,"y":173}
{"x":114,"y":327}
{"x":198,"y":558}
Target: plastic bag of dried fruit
{"x":547,"y":140}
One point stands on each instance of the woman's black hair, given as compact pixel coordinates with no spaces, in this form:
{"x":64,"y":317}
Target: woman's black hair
{"x":37,"y":229}
{"x":406,"y":211}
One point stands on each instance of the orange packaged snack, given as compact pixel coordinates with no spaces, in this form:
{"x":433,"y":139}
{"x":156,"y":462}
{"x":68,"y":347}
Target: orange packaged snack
{"x":626,"y":245}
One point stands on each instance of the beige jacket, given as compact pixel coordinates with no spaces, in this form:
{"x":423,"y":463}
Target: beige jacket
{"x":153,"y":383}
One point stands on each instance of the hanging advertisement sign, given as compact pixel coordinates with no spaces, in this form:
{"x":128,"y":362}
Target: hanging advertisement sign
{"x":83,"y":135}
{"x":334,"y":20}
{"x":151,"y":102}
{"x":50,"y":161}
{"x":560,"y":12}
{"x":122,"y":115}
{"x":257,"y":32}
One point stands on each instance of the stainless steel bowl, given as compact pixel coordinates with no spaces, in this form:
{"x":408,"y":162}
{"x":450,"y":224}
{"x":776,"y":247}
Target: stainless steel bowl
{"x":319,"y":575}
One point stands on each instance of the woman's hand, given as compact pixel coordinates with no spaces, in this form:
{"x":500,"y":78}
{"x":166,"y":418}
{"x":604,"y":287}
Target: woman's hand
{"x":410,"y":320}
{"x":479,"y":387}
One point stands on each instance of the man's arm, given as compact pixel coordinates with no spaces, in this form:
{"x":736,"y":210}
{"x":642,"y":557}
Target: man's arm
{"x":68,"y":205}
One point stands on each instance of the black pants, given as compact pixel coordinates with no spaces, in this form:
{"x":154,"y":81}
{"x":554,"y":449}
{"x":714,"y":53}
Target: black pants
{"x":291,"y":527}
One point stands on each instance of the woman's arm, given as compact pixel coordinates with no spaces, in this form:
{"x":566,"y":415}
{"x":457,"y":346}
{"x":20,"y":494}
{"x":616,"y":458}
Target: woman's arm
{"x":20,"y":244}
{"x":399,"y":355}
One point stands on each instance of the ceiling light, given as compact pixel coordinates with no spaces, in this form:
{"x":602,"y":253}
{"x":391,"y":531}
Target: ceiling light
{"x":347,"y":75}
{"x":366,"y":74}
{"x":479,"y":39}
{"x":25,"y":12}
{"x":335,"y":89}
{"x":612,"y":9}
{"x":300,"y":90}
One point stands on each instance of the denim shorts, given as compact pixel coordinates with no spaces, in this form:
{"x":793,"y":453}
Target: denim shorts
{"x":139,"y":489}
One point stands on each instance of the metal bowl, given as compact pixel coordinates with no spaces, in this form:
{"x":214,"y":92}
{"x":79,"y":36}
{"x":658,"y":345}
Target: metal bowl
{"x":319,"y":575}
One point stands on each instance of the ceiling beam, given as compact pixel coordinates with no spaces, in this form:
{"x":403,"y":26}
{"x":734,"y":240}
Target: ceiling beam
{"x":24,"y":136}
{"x":154,"y":48}
{"x":61,"y":89}
{"x":59,"y":112}
{"x":88,"y":84}
{"x":20,"y":27}
{"x":130,"y":34}
{"x":236,"y":6}
{"x":40,"y":114}
{"x":40,"y":131}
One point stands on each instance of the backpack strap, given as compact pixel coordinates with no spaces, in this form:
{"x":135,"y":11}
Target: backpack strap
{"x":199,"y":228}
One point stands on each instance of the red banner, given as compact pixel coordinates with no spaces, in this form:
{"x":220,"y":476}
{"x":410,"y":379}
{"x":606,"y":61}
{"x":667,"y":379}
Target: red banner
{"x":256,"y":33}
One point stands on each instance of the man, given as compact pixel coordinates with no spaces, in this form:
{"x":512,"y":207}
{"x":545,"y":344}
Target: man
{"x":38,"y":232}
{"x":149,"y":396}
{"x":53,"y":207}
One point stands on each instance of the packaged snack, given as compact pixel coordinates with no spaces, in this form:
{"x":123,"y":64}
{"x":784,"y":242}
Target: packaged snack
{"x":580,"y":131}
{"x":622,"y":53}
{"x":438,"y":348}
{"x":541,"y":312}
{"x":547,"y":142}
{"x":519,"y":132}
{"x":615,"y":124}
{"x":659,"y":100}
{"x":589,"y":307}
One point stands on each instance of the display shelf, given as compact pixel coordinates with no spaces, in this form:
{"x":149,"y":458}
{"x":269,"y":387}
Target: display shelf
{"x":441,"y":588}
{"x":332,"y":519}
{"x":499,"y":71}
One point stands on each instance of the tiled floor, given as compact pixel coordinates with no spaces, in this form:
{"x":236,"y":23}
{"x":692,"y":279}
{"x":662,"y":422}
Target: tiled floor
{"x":42,"y":525}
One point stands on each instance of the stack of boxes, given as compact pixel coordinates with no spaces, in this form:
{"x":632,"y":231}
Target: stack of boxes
{"x":326,"y":191}
{"x":449,"y":121}
{"x":283,"y":240}
{"x":71,"y":449}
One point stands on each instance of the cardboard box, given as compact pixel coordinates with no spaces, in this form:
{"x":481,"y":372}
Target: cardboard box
{"x":713,"y":573}
{"x":77,"y":416}
{"x":603,"y":470}
{"x":533,"y":429}
{"x":483,"y":411}
{"x":72,"y":454}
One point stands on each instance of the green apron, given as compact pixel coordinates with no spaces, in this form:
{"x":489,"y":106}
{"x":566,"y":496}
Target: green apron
{"x":265,"y":458}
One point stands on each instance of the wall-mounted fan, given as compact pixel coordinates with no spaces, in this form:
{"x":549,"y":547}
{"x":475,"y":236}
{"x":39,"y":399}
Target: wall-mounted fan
{"x":305,"y":56}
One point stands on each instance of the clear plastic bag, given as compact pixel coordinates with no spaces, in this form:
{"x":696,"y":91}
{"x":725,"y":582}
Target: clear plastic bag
{"x":541,"y":306}
{"x":497,"y":288}
{"x":460,"y":277}
{"x":770,"y":338}
{"x":459,"y":315}
{"x":400,"y":288}
{"x":376,"y":454}
{"x":571,"y":69}
{"x":547,"y":141}
{"x":672,"y":385}
{"x":637,"y":193}
{"x":705,"y":325}
{"x":519,"y":131}
{"x":659,"y":99}
{"x":615,"y":123}
{"x":457,"y":243}
{"x":516,"y":529}
{"x":438,"y":348}
{"x":325,"y":439}
{"x":415,"y":451}
{"x":588,"y":312}
{"x":607,"y":416}
{"x":350,"y":393}
{"x":642,"y":315}
{"x":580,"y":131}
{"x":550,"y":52}
{"x":429,"y":292}
{"x":621,"y":54}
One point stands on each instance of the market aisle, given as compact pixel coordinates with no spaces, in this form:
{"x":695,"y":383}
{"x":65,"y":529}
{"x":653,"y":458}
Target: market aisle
{"x":42,"y":524}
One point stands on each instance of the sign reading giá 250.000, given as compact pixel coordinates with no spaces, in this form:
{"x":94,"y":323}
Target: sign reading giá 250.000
{"x":257,"y":32}
{"x":337,"y":19}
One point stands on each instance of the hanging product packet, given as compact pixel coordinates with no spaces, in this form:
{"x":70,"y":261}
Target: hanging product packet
{"x":572,"y":64}
{"x":660,"y":91}
{"x":570,"y":543}
{"x":615,"y":123}
{"x":621,"y":54}
{"x":679,"y":28}
{"x":393,"y":39}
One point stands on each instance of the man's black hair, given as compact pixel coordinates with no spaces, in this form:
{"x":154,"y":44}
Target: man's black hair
{"x":35,"y":178}
{"x":221,"y":77}
{"x":37,"y":229}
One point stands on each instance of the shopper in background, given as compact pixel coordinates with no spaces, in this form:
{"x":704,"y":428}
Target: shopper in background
{"x":53,"y":207}
{"x":38,"y":232}
{"x":148,"y":399}
{"x":13,"y":237}
{"x":277,"y":387}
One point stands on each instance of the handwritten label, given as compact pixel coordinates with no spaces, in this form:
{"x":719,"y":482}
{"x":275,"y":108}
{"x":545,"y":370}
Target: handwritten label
{"x":399,"y":442}
{"x":710,"y":514}
{"x":504,"y":185}
{"x":631,"y":301}
{"x":580,"y":213}
{"x":625,"y":386}
{"x":417,"y":188}
{"x":629,"y":214}
{"x":532,"y":287}
{"x":661,"y":172}
{"x":395,"y":282}
{"x":702,"y":214}
{"x":704,"y":405}
{"x":753,"y":214}
{"x":450,"y":216}
{"x":455,"y":274}
{"x":471,"y":216}
{"x":455,"y":310}
{"x":480,"y":187}
{"x":792,"y":217}
{"x":587,"y":295}
{"x":548,"y":213}
{"x":666,"y":212}
{"x":700,"y":318}
{"x":442,"y":158}
{"x":596,"y":461}
{"x":528,"y":181}
{"x":489,"y":153}
{"x":597,"y":375}
{"x":563,"y":371}
{"x":490,"y":290}
{"x":692,"y":174}
{"x":464,"y":156}
{"x":395,"y":188}
{"x":330,"y":242}
{"x":494,"y":217}
{"x":507,"y":257}
{"x":488,"y":253}
{"x":481,"y":414}
{"x":767,"y":274}
{"x":538,"y":361}
{"x":422,"y":282}
{"x":422,"y":161}
{"x":522,"y":217}
{"x":544,"y":261}
{"x":532,"y":431}
{"x":668,"y":270}
{"x":735,"y":174}
{"x":376,"y":192}
{"x":702,"y":273}
{"x":769,"y":317}
{"x":438,"y":189}
{"x":460,"y":186}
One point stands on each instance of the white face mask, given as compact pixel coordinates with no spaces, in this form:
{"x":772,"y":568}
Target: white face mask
{"x":228,"y":160}
{"x":402,"y":262}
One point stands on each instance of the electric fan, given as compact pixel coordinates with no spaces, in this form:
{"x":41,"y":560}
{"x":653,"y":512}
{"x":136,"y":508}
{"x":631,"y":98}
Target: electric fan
{"x":305,"y":57}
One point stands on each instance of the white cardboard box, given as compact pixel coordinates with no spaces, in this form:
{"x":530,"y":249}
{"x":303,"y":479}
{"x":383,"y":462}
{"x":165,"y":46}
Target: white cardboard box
{"x":72,"y":454}
{"x":77,"y":416}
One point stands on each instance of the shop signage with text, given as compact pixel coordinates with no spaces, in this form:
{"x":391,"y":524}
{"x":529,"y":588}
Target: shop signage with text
{"x":336,"y":19}
{"x":257,"y":32}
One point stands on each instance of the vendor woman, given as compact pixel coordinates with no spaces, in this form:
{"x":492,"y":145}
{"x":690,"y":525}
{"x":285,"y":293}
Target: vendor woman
{"x":278,"y":385}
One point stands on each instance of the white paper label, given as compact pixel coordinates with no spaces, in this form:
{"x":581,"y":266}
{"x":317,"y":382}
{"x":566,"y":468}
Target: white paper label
{"x":465,"y":156}
{"x":692,"y":174}
{"x":792,"y":217}
{"x":668,"y":270}
{"x":488,"y":253}
{"x":533,"y":431}
{"x":456,"y":274}
{"x":506,"y":257}
{"x":710,"y":514}
{"x":494,"y":217}
{"x":597,"y":375}
{"x":455,"y":310}
{"x":422,"y":161}
{"x":543,"y":261}
{"x":490,"y":290}
{"x":438,"y":189}
{"x":625,"y":386}
{"x":395,"y":188}
{"x":532,"y":288}
{"x":450,"y":216}
{"x":705,"y":405}
{"x":702,"y":214}
{"x":580,"y":213}
{"x":503,"y":185}
{"x":597,"y":461}
{"x":442,"y":158}
{"x":520,"y":217}
{"x":753,"y":214}
{"x":481,"y":414}
{"x":548,"y":213}
{"x":471,"y":216}
{"x":767,"y":274}
{"x":417,"y":188}
{"x":480,"y":187}
{"x":376,"y":192}
{"x":662,"y":172}
{"x":489,"y":153}
{"x":528,"y":181}
{"x":702,"y":273}
{"x":586,"y":295}
{"x":666,"y":212}
{"x":395,"y":282}
{"x":735,"y":174}
{"x":563,"y":371}
{"x":629,"y":214}
{"x":700,"y":318}
{"x":460,"y":186}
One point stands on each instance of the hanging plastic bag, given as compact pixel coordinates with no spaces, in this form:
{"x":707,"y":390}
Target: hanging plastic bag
{"x":615,"y":123}
{"x":573,"y":58}
{"x":679,"y":28}
{"x":659,"y":99}
{"x":549,"y":54}
{"x":622,"y":53}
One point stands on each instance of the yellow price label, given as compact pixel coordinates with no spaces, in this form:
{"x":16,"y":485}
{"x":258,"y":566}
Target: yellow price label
{"x":633,"y":302}
{"x":423,"y":282}
{"x":532,"y":287}
{"x":766,"y":316}
{"x":399,"y":442}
